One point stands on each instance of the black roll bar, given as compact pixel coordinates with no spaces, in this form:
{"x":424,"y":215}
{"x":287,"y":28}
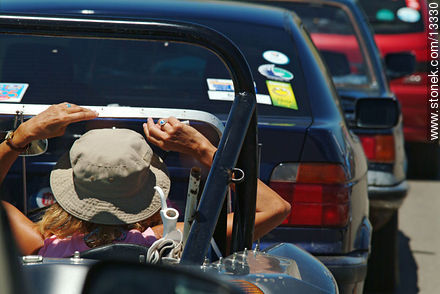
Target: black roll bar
{"x":239,"y":140}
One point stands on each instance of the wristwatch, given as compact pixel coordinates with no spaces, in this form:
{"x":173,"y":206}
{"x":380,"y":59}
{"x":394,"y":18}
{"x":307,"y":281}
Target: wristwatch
{"x":11,"y":145}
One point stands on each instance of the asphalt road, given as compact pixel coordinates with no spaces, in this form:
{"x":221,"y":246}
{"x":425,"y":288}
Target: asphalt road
{"x":419,"y":239}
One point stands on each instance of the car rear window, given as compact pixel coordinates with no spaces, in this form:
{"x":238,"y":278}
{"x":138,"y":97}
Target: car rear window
{"x":151,"y":74}
{"x":394,"y":16}
{"x":333,"y":31}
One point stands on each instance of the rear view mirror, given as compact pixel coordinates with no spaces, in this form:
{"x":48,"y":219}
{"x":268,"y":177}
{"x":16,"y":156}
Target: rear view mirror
{"x":378,"y":113}
{"x":400,"y":64}
{"x":35,"y":148}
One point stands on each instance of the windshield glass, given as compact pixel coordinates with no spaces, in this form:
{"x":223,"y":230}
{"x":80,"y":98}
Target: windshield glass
{"x":152,"y":74}
{"x":335,"y":36}
{"x":394,"y":16}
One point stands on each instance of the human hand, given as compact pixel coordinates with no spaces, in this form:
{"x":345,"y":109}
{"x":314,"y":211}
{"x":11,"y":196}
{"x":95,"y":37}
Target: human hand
{"x":179,"y":137}
{"x":51,"y":123}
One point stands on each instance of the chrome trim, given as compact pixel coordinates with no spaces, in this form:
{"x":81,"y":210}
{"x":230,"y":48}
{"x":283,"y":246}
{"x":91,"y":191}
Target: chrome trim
{"x":124,"y":112}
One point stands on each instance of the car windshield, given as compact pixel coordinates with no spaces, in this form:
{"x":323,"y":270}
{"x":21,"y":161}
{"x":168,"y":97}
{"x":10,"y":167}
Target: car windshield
{"x":105,"y":72}
{"x":394,"y":16}
{"x":334,"y":34}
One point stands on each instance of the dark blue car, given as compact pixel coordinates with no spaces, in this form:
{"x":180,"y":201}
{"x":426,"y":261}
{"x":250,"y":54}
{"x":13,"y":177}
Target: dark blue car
{"x":308,"y":153}
{"x":340,"y":31}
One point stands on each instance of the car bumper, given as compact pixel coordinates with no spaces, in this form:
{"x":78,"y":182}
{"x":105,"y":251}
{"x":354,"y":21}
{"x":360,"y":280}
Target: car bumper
{"x":387,"y":197}
{"x":349,"y":271}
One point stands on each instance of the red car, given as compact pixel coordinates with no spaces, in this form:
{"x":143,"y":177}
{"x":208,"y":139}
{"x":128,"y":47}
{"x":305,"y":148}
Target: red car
{"x":402,"y":26}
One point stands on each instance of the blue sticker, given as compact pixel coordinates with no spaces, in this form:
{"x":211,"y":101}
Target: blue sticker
{"x":222,"y":85}
{"x":12,"y":92}
{"x":272,"y":72}
{"x":408,"y":14}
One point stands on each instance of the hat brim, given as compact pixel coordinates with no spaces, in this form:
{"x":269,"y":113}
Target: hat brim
{"x":119,"y":211}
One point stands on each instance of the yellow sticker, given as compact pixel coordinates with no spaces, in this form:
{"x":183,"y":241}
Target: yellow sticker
{"x":282,"y":94}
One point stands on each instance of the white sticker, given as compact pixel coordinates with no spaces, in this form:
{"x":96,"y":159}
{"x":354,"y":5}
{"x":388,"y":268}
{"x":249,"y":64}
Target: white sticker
{"x":276,"y":57}
{"x":272,"y":72}
{"x":264,"y":99}
{"x":408,"y":14}
{"x":12,"y":92}
{"x":221,"y":95}
{"x":229,"y":96}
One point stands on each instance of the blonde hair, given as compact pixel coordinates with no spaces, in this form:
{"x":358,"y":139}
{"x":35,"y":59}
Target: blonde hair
{"x":56,"y":221}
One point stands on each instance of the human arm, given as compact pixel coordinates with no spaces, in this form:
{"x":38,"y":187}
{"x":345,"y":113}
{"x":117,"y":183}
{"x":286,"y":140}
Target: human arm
{"x":50,"y":123}
{"x":271,"y":209}
{"x":27,"y":236}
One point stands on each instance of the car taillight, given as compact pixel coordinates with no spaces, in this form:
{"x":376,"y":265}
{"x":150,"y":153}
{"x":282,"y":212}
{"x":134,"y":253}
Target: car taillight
{"x":378,"y":148}
{"x":318,"y":193}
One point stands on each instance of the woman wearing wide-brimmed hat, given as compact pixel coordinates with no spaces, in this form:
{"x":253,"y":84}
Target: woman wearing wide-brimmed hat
{"x":104,"y":188}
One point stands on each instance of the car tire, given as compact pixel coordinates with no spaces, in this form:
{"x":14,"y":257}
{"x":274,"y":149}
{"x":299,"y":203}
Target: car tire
{"x":383,"y":264}
{"x":423,"y":160}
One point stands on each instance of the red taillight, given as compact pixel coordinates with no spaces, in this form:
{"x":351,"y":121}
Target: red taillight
{"x":319,"y":193}
{"x":379,"y":148}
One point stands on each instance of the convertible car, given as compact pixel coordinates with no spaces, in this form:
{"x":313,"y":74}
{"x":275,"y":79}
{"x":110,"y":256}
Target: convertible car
{"x":281,"y":269}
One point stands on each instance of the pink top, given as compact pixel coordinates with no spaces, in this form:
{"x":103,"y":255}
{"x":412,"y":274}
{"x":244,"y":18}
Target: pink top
{"x":55,"y":247}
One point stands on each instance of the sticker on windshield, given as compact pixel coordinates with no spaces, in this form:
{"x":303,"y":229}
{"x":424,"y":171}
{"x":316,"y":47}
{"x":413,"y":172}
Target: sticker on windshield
{"x":220,"y":85}
{"x":276,"y":57}
{"x":264,"y":99}
{"x":44,"y":197}
{"x":385,"y":15}
{"x":229,"y":96}
{"x":12,"y":92}
{"x":282,"y":94}
{"x":223,"y":85}
{"x":272,"y":72}
{"x":408,"y":14}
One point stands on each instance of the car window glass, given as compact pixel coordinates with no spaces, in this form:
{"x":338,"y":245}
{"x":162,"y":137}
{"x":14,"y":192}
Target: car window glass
{"x":335,"y":36}
{"x":143,"y":74}
{"x":394,"y":16}
{"x":327,"y":78}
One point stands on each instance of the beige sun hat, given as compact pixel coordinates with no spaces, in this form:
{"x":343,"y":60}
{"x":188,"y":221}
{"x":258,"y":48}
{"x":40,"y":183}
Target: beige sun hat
{"x":108,"y":177}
